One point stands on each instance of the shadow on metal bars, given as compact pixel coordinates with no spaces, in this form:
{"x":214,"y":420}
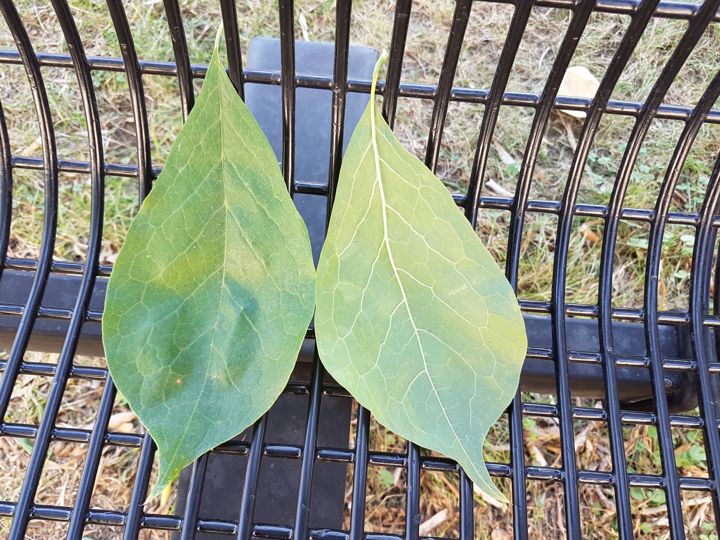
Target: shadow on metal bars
{"x":285,"y":477}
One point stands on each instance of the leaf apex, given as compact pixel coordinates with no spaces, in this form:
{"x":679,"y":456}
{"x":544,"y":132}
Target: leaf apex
{"x":166,"y":476}
{"x":157,"y":490}
{"x":488,"y":487}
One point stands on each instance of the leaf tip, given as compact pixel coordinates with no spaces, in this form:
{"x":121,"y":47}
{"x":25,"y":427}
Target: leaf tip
{"x":500,"y":496}
{"x":490,"y":490}
{"x":167,"y":474}
{"x":158,"y":489}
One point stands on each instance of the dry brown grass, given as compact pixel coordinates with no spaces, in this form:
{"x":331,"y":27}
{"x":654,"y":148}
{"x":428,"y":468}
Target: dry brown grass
{"x":372,"y":21}
{"x":65,"y":461}
{"x":493,"y":519}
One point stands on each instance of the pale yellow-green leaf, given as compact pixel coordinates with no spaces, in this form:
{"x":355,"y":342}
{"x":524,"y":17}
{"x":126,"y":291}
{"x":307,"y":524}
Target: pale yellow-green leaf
{"x":413,"y":315}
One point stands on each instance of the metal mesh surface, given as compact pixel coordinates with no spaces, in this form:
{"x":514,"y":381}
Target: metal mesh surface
{"x":697,"y":322}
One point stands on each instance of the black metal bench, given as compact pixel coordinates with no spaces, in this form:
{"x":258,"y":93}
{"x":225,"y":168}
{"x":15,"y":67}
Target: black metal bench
{"x":285,"y":477}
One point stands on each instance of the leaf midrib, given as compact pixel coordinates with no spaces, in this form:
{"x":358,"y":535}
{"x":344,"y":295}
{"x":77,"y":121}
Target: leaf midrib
{"x":193,"y":412}
{"x":386,"y":241}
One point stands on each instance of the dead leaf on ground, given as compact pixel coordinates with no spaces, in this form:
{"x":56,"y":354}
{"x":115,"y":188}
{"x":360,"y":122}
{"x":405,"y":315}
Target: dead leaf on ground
{"x":578,"y":82}
{"x":435,"y":521}
{"x":500,"y":534}
{"x":589,"y":234}
{"x":120,"y":419}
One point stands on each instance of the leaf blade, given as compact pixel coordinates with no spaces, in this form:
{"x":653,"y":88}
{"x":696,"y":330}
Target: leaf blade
{"x":221,"y":263}
{"x":399,"y":280}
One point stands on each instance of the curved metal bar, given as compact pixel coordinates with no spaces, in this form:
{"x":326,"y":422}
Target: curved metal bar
{"x":50,"y":166}
{"x":685,"y":46}
{"x":617,"y":447}
{"x":567,"y":48}
{"x":92,"y":462}
{"x":252,"y":473}
{"x":287,"y":62}
{"x":514,"y":36}
{"x":360,"y":469}
{"x":467,"y":519}
{"x":537,"y":131}
{"x":445,"y":83}
{"x":391,"y":92}
{"x":87,"y":282}
{"x":461,"y":16}
{"x":340,"y":75}
{"x":412,"y":505}
{"x":187,"y":99}
{"x":182,"y":58}
{"x":133,"y":73}
{"x":657,"y":230}
{"x":302,"y":513}
{"x":232,"y":42}
{"x":134,"y":519}
{"x":6,"y":187}
{"x":702,"y":343}
{"x":521,"y":15}
{"x":145,"y":177}
{"x":716,"y":296}
{"x":194,"y":497}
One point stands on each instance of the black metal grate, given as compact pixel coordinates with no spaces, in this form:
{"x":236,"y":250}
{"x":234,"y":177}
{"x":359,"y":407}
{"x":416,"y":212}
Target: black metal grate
{"x":698,"y":322}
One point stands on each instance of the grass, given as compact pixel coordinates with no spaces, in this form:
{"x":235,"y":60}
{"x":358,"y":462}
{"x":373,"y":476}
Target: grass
{"x":371,"y":25}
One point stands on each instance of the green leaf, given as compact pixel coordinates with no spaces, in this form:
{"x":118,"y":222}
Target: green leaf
{"x":386,"y":479}
{"x":213,"y":290}
{"x":658,"y":497}
{"x":413,"y":315}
